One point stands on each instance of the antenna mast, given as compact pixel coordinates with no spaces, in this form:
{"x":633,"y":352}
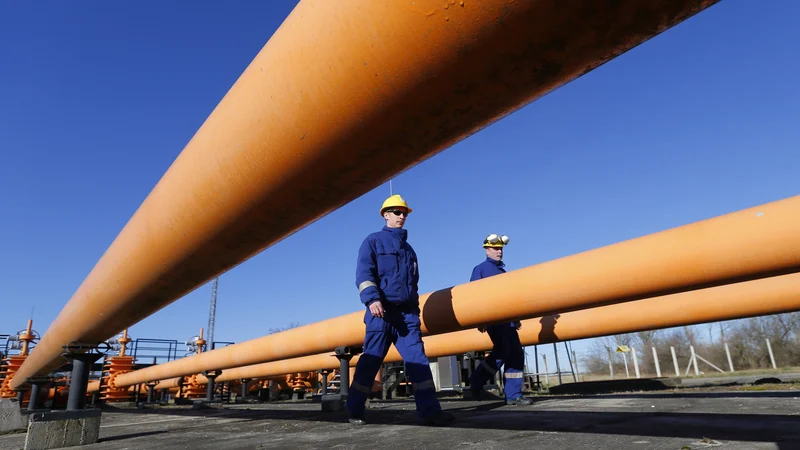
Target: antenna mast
{"x":212,"y":314}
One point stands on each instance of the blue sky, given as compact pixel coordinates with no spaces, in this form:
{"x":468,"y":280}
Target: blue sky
{"x":97,"y":99}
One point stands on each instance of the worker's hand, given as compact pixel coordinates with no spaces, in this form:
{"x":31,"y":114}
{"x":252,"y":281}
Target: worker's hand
{"x":482,"y":329}
{"x":376,"y":308}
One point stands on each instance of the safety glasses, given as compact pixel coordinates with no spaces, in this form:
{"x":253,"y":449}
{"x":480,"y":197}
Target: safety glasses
{"x":398,"y":212}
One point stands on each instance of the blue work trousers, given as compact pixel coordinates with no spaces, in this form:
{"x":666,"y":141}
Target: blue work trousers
{"x":401,"y":327}
{"x":507,"y":350}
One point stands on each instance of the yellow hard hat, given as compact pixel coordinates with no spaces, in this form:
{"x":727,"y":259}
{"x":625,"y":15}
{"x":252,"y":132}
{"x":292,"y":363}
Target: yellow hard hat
{"x":393,"y":202}
{"x":495,"y":241}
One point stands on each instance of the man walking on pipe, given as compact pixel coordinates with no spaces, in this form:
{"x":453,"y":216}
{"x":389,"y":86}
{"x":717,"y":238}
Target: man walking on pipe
{"x":507,"y":348}
{"x":387,"y":277}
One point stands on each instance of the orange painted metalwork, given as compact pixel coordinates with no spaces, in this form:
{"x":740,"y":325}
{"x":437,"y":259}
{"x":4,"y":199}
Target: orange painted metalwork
{"x":758,"y":241}
{"x":26,"y":338}
{"x":8,"y":371}
{"x":194,"y":386}
{"x":13,"y":364}
{"x":344,"y":96}
{"x":57,"y":393}
{"x":779,"y":294}
{"x":123,"y":342}
{"x":113,"y":367}
{"x":169,"y":384}
{"x":200,"y":342}
{"x":300,"y":381}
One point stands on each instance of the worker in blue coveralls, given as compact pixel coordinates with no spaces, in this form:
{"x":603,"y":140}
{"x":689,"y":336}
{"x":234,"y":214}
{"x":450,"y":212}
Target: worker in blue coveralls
{"x":387,"y":275}
{"x":507,"y":348}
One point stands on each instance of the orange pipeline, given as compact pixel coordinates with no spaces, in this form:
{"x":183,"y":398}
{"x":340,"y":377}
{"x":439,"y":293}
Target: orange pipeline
{"x":94,"y":385}
{"x":773,"y":295}
{"x":170,"y":383}
{"x":13,"y":363}
{"x":344,"y":96}
{"x":752,"y":242}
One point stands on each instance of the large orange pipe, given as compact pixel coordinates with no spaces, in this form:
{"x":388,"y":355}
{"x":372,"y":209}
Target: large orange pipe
{"x":168,"y":384}
{"x":163,"y":384}
{"x":343,"y":96}
{"x":753,"y":242}
{"x":773,"y":295}
{"x":94,"y":386}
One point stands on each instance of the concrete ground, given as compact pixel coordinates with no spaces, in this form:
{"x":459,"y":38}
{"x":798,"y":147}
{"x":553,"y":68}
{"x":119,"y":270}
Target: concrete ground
{"x":679,"y":420}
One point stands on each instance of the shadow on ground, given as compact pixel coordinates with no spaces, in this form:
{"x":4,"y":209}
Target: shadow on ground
{"x":782,"y":429}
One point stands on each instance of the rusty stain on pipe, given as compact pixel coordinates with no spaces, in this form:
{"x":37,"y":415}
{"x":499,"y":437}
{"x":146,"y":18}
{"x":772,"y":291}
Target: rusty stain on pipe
{"x":780,"y":294}
{"x":342,"y":97}
{"x":758,"y":241}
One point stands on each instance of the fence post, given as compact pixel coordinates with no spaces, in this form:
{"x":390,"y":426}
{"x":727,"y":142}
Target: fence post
{"x":558,"y":366}
{"x":675,"y":361}
{"x":694,"y":360}
{"x":771,"y":356}
{"x":546,"y":377}
{"x":655,"y":359}
{"x":728,"y":353}
{"x":635,"y":362}
{"x":610,"y":364}
{"x":625,"y":360}
{"x":575,"y":365}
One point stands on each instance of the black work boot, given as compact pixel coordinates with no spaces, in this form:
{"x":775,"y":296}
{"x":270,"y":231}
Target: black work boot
{"x":520,"y":401}
{"x":477,"y":394}
{"x":438,"y":419}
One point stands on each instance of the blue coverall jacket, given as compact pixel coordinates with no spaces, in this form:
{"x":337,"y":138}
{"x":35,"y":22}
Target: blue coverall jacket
{"x":387,"y":261}
{"x":507,"y":348}
{"x":387,"y":271}
{"x":487,"y":269}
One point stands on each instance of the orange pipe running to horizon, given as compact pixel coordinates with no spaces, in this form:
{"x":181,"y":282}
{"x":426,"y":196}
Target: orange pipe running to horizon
{"x":344,"y":96}
{"x":169,"y":383}
{"x":780,"y":294}
{"x":94,"y":385}
{"x":754,"y":242}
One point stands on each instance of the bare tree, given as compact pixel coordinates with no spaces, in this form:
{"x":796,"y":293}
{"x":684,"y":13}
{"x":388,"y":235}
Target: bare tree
{"x":746,"y":339}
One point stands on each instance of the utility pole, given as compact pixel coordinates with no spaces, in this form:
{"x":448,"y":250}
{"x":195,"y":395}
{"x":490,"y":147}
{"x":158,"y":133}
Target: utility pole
{"x":212,"y":315}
